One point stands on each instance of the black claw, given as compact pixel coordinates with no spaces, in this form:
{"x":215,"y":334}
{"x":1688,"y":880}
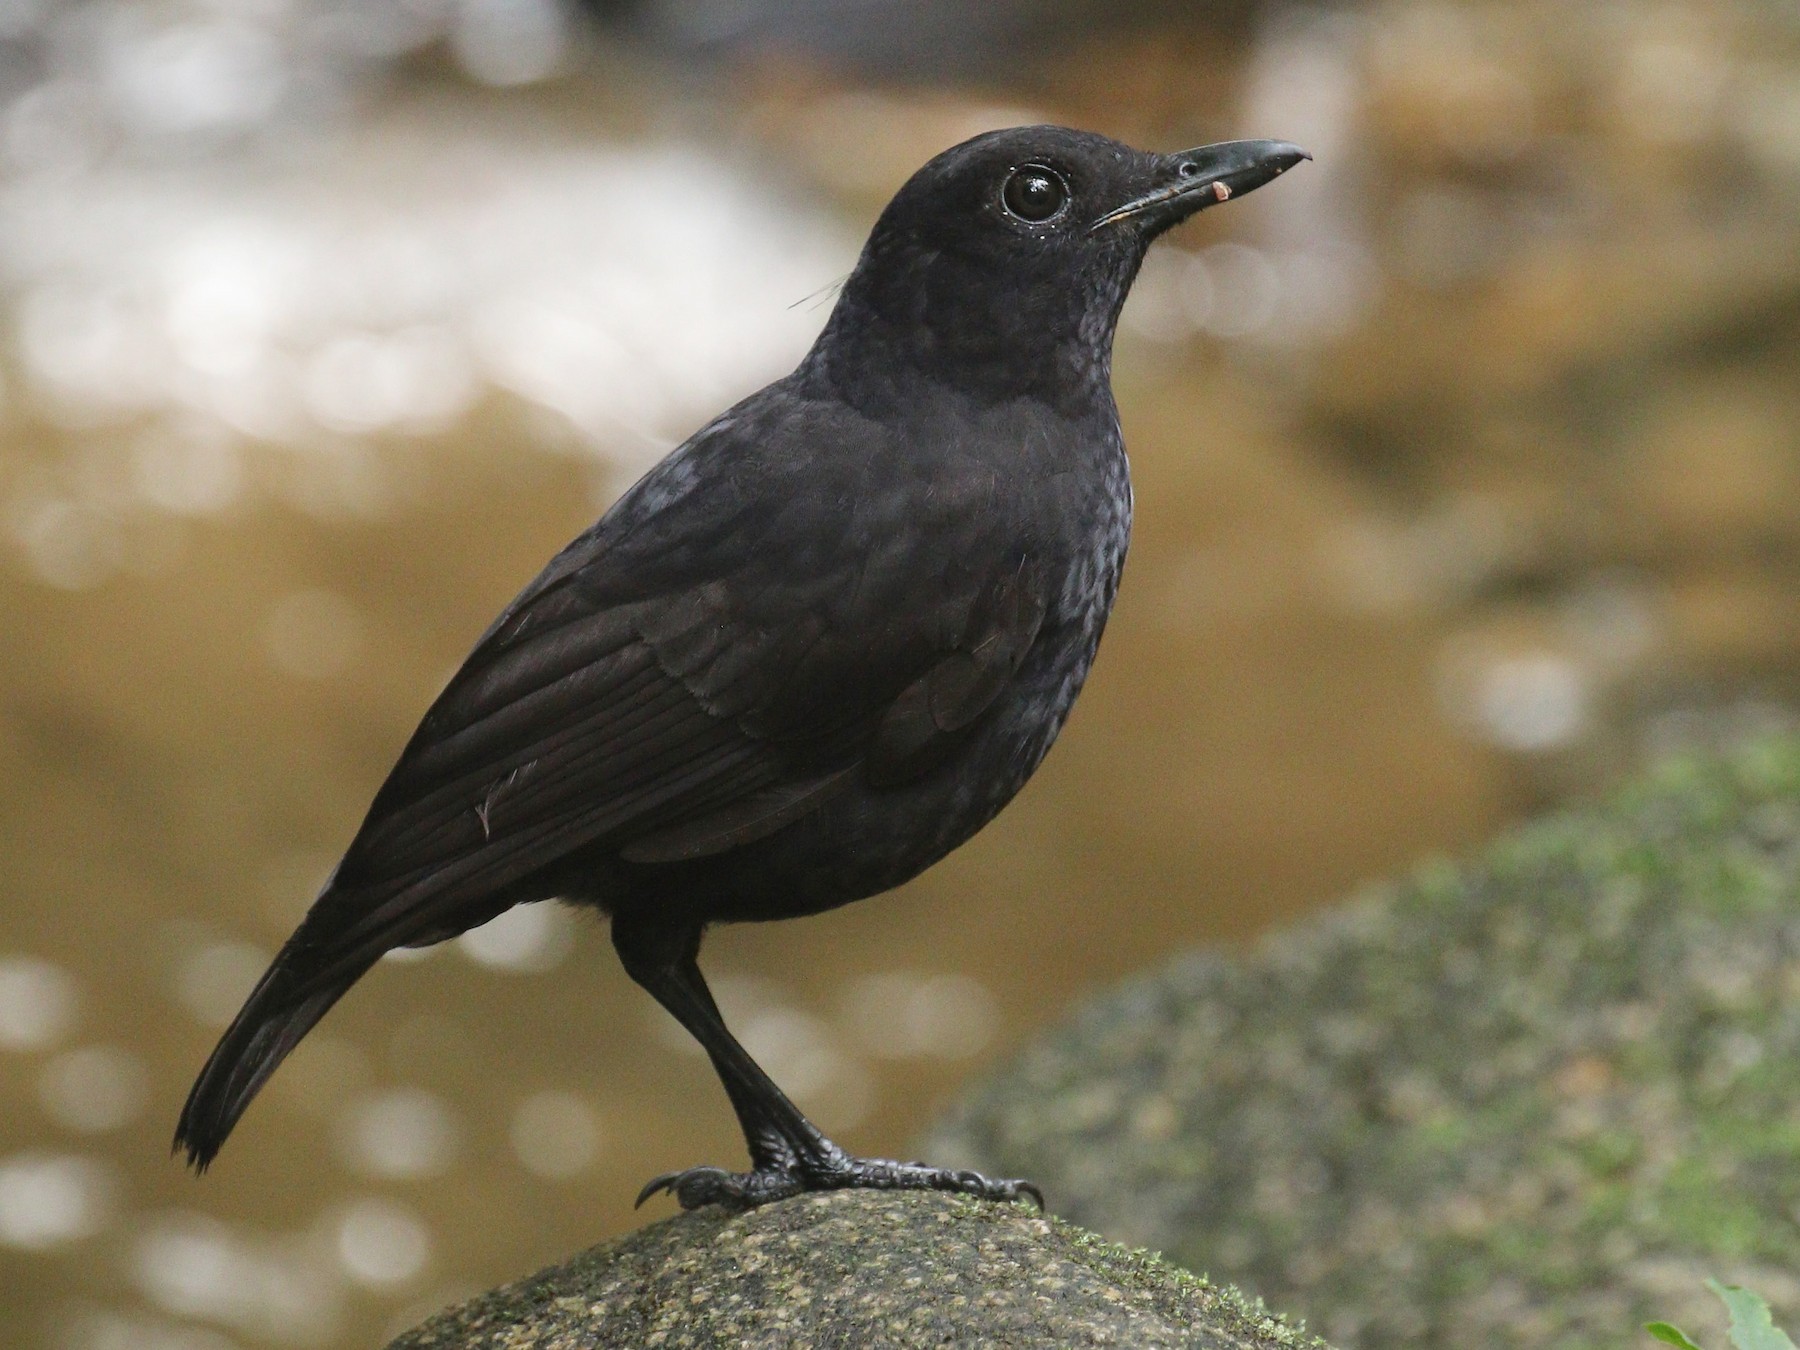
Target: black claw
{"x":987,"y":1188}
{"x":666,"y":1182}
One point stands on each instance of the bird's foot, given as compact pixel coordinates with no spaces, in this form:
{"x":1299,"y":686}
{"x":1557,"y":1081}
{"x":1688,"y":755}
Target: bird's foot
{"x":881,"y":1174}
{"x":836,"y":1171}
{"x":735,"y":1191}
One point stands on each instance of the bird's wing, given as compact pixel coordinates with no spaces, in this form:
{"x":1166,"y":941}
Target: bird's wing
{"x":696,"y":672}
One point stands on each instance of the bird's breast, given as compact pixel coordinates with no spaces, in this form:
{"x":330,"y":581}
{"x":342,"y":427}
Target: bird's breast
{"x":1090,"y":556}
{"x":1097,"y":556}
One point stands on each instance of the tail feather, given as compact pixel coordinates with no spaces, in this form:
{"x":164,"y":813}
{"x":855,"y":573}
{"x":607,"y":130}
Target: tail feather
{"x":271,"y":1023}
{"x":345,"y":932}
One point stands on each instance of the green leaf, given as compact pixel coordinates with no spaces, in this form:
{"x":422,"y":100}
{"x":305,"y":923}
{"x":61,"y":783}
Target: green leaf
{"x":1671,"y":1335}
{"x":1752,"y":1328}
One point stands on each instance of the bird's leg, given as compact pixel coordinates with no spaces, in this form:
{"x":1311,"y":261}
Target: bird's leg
{"x":788,"y":1153}
{"x":766,"y":1140}
{"x":663,"y":961}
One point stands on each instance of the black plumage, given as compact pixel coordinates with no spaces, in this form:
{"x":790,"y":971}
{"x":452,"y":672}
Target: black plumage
{"x":809,"y":653}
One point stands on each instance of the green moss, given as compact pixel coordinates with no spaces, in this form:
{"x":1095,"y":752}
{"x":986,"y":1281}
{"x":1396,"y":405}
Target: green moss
{"x":1523,"y":1102}
{"x":860,"y":1269}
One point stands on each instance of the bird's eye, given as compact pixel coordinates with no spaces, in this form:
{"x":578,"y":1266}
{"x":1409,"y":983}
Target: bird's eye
{"x":1035,"y":193}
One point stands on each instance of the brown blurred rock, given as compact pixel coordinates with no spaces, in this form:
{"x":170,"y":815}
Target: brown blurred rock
{"x":1718,"y":472}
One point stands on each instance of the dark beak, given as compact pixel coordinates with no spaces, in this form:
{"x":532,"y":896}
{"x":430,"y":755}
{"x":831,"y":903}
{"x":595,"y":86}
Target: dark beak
{"x":1204,"y":177}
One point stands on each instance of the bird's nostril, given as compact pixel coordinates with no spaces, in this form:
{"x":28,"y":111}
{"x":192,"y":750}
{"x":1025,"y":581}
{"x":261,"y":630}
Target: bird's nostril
{"x":1187,"y":168}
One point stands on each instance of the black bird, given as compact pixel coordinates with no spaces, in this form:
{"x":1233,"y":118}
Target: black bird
{"x":808,"y":654}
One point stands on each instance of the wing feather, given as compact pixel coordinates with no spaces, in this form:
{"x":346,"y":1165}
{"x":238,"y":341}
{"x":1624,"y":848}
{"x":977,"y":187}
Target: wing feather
{"x":694,"y":673}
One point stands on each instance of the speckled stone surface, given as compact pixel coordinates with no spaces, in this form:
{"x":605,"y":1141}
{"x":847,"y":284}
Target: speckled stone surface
{"x":861,"y":1271}
{"x":1525,"y":1103}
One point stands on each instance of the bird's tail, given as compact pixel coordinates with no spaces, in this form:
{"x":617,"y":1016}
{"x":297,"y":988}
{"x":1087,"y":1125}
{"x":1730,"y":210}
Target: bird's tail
{"x":298,"y":989}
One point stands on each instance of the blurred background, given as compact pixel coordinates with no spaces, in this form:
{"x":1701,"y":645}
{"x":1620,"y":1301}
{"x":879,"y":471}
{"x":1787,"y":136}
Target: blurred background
{"x":1468,"y":467}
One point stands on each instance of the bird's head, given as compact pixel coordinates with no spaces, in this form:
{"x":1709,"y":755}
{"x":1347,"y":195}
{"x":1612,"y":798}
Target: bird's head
{"x":1002,"y":264}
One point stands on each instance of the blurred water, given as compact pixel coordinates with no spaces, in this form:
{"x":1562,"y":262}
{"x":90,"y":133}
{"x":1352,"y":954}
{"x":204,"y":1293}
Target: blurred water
{"x":385,"y":280}
{"x":37,"y":1003}
{"x":1466,"y":464}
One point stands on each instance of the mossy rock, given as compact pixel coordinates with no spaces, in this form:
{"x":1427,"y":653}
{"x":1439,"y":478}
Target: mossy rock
{"x":1529,"y":1102}
{"x":858,"y":1269}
